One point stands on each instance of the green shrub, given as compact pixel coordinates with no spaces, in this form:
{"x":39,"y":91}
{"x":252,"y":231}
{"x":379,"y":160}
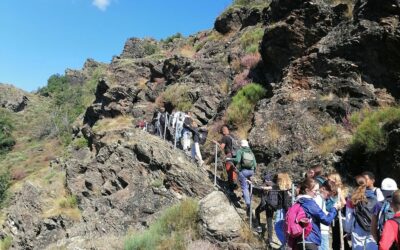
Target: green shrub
{"x":6,"y":127}
{"x":171,"y":38}
{"x":68,"y":102}
{"x":5,"y":182}
{"x":170,"y":230}
{"x":6,"y":243}
{"x":251,"y":39}
{"x":79,"y":143}
{"x":328,"y":131}
{"x":150,"y":48}
{"x":370,"y":132}
{"x":178,"y":96}
{"x":69,"y":202}
{"x":243,"y":103}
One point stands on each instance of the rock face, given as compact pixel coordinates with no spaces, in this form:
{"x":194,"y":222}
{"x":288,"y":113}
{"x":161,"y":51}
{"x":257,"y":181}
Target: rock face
{"x":237,"y":18}
{"x":219,"y":220}
{"x":12,"y":98}
{"x":323,"y":73}
{"x":25,"y":225}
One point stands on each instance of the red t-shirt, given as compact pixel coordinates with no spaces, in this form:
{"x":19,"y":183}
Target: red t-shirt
{"x":390,"y":234}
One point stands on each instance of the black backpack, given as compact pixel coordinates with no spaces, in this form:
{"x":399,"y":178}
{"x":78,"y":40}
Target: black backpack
{"x":203,"y":136}
{"x":235,"y":145}
{"x":273,"y":199}
{"x":363,"y":213}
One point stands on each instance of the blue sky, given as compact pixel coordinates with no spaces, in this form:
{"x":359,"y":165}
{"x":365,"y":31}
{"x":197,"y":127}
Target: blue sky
{"x":39,"y":38}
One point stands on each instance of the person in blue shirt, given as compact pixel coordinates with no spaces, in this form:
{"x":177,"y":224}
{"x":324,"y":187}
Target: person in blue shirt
{"x":309,"y":189}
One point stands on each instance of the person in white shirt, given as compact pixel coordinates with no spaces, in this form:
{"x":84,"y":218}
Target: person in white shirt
{"x":370,"y":178}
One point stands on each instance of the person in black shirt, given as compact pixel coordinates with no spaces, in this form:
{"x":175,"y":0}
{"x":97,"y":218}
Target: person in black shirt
{"x":226,"y":144}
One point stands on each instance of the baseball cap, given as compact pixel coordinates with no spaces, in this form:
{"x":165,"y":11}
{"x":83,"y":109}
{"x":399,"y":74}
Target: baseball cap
{"x":389,"y":184}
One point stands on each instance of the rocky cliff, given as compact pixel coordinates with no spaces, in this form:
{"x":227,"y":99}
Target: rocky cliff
{"x":318,"y":65}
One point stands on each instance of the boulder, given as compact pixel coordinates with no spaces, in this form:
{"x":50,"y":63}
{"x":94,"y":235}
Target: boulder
{"x":219,"y":219}
{"x":13,"y":98}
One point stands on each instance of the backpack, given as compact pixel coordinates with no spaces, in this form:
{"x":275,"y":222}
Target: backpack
{"x":385,"y":214}
{"x":273,"y":199}
{"x":247,"y":160}
{"x":235,"y":145}
{"x":203,"y":137}
{"x":297,"y":223}
{"x":363,"y":213}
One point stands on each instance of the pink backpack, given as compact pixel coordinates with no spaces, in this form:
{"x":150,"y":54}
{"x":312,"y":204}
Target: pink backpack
{"x":297,"y":224}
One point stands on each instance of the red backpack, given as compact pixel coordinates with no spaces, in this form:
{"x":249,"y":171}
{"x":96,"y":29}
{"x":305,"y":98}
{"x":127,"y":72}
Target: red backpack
{"x":297,"y":224}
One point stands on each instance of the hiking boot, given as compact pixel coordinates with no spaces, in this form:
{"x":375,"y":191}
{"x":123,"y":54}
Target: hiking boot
{"x":258,"y":229}
{"x":248,"y":211}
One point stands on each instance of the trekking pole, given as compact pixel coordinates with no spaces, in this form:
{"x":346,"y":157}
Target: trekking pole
{"x":251,"y":195}
{"x":340,"y":222}
{"x":215,"y":165}
{"x":176,"y":132}
{"x":293,"y":195}
{"x":165,"y":124}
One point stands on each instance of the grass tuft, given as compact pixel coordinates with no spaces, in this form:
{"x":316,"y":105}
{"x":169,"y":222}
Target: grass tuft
{"x":370,"y":133}
{"x":172,"y":230}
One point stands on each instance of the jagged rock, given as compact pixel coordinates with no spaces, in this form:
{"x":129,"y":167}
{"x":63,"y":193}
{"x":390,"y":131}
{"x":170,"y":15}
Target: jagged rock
{"x":12,"y":98}
{"x":111,"y":101}
{"x":375,"y":9}
{"x":304,"y":23}
{"x":131,"y":179}
{"x":138,"y":48}
{"x":237,"y":18}
{"x":25,"y":225}
{"x":219,"y":219}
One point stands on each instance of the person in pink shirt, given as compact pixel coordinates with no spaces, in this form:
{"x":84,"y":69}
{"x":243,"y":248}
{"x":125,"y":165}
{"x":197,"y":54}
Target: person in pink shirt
{"x":390,"y":233}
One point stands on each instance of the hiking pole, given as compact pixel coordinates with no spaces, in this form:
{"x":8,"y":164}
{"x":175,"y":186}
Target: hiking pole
{"x":251,"y":195}
{"x":340,"y":222}
{"x":293,"y":195}
{"x":165,"y":124}
{"x":216,"y":162}
{"x":176,"y":132}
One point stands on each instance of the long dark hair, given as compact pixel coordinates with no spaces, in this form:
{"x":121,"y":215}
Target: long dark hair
{"x":308,"y":183}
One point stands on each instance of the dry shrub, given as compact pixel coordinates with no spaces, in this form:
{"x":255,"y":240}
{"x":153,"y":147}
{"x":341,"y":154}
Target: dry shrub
{"x":18,"y":174}
{"x":224,"y":87}
{"x":250,"y":61}
{"x":236,"y":65}
{"x":187,"y":51}
{"x":201,"y":244}
{"x":273,"y":132}
{"x":241,"y":80}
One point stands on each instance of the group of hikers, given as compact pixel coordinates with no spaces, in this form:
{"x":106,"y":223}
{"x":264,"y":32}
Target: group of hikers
{"x":320,"y":212}
{"x":179,"y":128}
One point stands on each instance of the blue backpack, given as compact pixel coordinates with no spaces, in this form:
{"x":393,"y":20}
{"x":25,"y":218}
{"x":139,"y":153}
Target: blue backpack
{"x":386,"y":213}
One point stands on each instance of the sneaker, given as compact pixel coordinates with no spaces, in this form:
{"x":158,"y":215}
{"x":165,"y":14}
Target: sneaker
{"x":258,"y":229}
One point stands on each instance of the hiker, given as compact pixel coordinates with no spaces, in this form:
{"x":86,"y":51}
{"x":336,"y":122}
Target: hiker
{"x":226,"y":144}
{"x":186,"y":134}
{"x":383,"y":211}
{"x":246,"y":165}
{"x":359,"y":210}
{"x":339,"y":196}
{"x":327,"y":188}
{"x":309,"y":189}
{"x":391,"y":229}
{"x":316,"y":173}
{"x":195,"y":149}
{"x":284,"y":184}
{"x":370,"y":177}
{"x":266,"y":203}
